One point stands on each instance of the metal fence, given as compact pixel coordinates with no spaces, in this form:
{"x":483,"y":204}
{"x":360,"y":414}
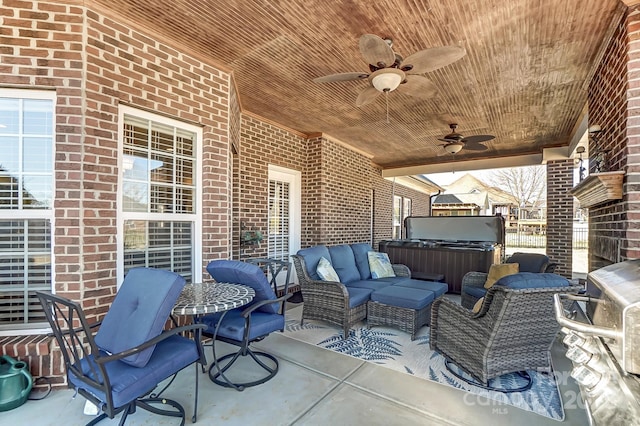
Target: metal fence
{"x":529,"y":239}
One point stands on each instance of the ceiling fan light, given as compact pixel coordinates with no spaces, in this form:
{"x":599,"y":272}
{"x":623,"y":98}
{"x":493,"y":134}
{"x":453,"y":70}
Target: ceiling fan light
{"x":453,"y":147}
{"x":387,"y":80}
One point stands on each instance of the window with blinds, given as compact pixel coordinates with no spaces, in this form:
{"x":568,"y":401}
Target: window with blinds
{"x":279,"y":230}
{"x":158,"y":195}
{"x":26,"y":197}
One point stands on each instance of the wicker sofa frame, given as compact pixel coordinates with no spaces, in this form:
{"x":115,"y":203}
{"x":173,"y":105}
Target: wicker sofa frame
{"x":329,"y":300}
{"x":513,"y":331}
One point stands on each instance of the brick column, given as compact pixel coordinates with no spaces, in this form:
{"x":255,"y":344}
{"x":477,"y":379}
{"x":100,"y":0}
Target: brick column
{"x":560,"y":215}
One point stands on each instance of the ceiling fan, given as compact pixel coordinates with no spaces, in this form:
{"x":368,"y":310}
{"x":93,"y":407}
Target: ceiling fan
{"x":389,"y":70}
{"x":454,"y":142}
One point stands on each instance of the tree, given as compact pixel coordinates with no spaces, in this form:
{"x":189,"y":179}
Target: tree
{"x":527,"y":185}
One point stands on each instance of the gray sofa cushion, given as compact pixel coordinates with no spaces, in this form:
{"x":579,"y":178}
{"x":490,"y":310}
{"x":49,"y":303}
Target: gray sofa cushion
{"x":311,"y":258}
{"x":403,"y":297}
{"x":344,"y":262}
{"x":358,"y":296}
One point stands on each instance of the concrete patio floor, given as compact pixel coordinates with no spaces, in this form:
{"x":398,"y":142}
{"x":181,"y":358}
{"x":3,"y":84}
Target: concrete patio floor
{"x":316,"y":386}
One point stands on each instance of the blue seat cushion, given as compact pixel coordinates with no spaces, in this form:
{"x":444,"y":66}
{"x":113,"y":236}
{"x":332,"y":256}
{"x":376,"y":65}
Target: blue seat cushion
{"x":368,"y":284}
{"x":344,"y":262}
{"x":476,"y":292}
{"x":360,"y":251}
{"x":436,"y":287}
{"x":232,"y":326}
{"x":312,"y":256}
{"x":391,"y":280}
{"x":533,"y":280}
{"x":358,"y":296}
{"x":249,"y":274}
{"x":145,"y":299}
{"x":403,"y":297}
{"x":129,"y":382}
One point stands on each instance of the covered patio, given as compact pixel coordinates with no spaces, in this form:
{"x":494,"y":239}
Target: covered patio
{"x":169,"y":134}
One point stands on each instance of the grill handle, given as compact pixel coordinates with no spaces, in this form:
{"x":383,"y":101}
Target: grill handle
{"x":577,"y":325}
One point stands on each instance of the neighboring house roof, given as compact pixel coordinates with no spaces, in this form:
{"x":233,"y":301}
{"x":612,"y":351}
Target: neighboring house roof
{"x":447,"y":199}
{"x":468,"y":184}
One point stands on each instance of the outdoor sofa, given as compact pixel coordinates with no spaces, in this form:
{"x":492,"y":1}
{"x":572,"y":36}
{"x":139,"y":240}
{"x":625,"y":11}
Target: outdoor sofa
{"x":396,"y":300}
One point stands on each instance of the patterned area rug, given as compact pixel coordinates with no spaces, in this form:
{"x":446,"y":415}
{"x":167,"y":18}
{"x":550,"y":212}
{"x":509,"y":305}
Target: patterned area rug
{"x":394,"y":349}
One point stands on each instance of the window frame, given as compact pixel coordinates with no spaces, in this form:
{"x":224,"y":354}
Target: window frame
{"x":195,"y":218}
{"x":47,"y":214}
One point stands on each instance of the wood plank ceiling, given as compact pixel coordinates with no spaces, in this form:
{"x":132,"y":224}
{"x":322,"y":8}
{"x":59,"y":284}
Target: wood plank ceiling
{"x":523,"y":78}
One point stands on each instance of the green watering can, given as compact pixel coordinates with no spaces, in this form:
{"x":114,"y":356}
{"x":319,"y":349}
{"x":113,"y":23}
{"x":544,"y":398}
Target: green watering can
{"x":15,"y":383}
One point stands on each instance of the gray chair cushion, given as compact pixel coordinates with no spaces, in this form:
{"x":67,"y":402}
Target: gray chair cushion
{"x":139,"y":312}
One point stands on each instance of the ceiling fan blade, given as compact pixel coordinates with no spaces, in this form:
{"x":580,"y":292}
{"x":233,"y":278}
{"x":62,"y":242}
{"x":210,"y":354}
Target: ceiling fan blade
{"x":367,"y":96}
{"x":345,"y":76}
{"x":419,"y":87}
{"x":376,"y":51}
{"x":474,"y":147}
{"x":478,"y":138}
{"x":431,"y":59}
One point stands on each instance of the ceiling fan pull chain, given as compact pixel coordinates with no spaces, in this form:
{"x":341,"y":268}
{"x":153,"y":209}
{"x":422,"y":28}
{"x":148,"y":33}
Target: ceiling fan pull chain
{"x":386,"y":97}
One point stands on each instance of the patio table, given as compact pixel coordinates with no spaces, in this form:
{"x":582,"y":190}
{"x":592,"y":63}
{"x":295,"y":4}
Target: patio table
{"x":197,"y":299}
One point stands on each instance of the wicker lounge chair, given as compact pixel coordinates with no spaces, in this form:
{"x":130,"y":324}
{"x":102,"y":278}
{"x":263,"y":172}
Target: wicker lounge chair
{"x":473,"y":282}
{"x":513,"y":331}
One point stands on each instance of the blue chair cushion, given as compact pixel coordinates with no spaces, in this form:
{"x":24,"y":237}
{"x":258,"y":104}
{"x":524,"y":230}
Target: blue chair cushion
{"x":533,"y":280}
{"x":312,"y":256}
{"x":529,"y":262}
{"x":476,"y":292}
{"x":233,"y":323}
{"x":344,"y":262}
{"x":360,"y":251}
{"x":139,"y":312}
{"x":358,"y":296}
{"x":437,"y":288}
{"x":234,"y":271}
{"x":403,"y":297}
{"x":129,"y":382}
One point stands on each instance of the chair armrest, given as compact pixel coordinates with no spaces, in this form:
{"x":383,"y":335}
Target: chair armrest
{"x":164,"y":335}
{"x":246,"y":312}
{"x":474,"y":279}
{"x":551,"y":267}
{"x":401,"y":270}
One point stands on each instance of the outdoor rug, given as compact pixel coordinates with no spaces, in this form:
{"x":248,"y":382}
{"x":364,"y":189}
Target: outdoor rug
{"x":394,"y":349}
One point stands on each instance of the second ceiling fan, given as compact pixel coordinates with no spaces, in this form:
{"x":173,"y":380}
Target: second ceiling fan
{"x":454,"y":142}
{"x":389,"y":70}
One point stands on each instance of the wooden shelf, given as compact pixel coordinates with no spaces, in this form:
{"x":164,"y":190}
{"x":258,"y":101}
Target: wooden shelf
{"x":598,"y":188}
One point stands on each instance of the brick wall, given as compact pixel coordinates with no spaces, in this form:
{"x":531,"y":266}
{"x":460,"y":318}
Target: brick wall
{"x":560,"y":215}
{"x":612,"y":225}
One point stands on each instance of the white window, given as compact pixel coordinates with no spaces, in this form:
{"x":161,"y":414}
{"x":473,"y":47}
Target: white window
{"x":283,"y":236}
{"x":159,"y":218}
{"x":401,"y":210}
{"x":26,"y":199}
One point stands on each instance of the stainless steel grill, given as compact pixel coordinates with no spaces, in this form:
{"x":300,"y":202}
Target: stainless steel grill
{"x":605,"y":347}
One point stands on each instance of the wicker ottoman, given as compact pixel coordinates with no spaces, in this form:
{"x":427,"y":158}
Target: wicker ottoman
{"x":403,"y":307}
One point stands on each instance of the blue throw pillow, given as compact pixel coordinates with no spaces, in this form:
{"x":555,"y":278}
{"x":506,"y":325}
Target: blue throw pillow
{"x":380,"y":265}
{"x":326,"y":271}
